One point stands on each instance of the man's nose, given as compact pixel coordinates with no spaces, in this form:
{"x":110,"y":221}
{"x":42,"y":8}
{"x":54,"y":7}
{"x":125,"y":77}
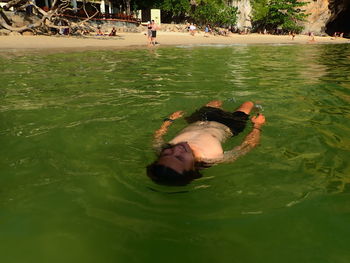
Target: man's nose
{"x":169,"y":151}
{"x":177,"y":150}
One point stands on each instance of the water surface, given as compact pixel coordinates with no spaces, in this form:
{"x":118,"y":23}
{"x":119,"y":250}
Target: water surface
{"x":75,"y":136}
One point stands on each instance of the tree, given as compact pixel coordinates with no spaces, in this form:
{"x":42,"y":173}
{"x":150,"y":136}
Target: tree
{"x":215,"y":12}
{"x":176,"y":7}
{"x":46,"y":20}
{"x":175,"y":10}
{"x":274,"y":14}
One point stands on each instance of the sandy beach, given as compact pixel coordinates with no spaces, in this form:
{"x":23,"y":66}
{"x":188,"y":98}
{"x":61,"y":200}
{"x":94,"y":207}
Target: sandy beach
{"x":139,"y":40}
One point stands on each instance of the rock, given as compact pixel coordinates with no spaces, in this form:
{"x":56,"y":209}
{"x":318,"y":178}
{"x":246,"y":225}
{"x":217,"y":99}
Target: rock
{"x":14,"y":33}
{"x":327,"y":16}
{"x":27,"y":33}
{"x":244,"y":14}
{"x":17,"y":19}
{"x":339,"y":19}
{"x":318,"y":16}
{"x":4,"y":32}
{"x":136,"y":30}
{"x":19,"y":24}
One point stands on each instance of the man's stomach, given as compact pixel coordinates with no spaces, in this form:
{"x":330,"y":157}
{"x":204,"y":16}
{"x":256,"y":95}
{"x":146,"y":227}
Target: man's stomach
{"x":204,"y":145}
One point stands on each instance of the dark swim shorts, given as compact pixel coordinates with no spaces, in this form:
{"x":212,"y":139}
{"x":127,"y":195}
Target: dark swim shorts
{"x":154,"y":33}
{"x":236,"y":121}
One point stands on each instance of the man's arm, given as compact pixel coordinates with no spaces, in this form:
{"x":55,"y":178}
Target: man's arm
{"x":250,"y":141}
{"x":158,"y":134}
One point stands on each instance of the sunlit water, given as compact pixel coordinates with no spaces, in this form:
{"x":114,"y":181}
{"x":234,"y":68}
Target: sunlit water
{"x":75,"y":138}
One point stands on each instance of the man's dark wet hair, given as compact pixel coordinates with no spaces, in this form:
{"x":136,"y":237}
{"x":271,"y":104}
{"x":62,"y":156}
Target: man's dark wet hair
{"x":162,"y":174}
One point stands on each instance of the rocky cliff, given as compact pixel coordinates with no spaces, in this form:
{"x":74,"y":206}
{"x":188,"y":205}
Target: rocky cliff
{"x":339,"y":20}
{"x":244,"y":10}
{"x":319,"y":14}
{"x":327,"y":16}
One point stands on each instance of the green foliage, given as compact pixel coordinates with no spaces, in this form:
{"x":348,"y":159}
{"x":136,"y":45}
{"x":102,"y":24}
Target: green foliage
{"x":260,"y":9}
{"x":176,"y":7}
{"x":283,"y":14}
{"x":206,"y":13}
{"x":142,"y":4}
{"x":215,"y":13}
{"x":229,"y":16}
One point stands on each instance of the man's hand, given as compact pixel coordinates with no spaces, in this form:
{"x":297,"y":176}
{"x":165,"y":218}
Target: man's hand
{"x":250,"y":141}
{"x":158,"y":134}
{"x":258,"y":120}
{"x":176,"y":115}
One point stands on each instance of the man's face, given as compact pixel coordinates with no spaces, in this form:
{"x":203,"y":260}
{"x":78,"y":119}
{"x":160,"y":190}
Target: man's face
{"x":179,"y":157}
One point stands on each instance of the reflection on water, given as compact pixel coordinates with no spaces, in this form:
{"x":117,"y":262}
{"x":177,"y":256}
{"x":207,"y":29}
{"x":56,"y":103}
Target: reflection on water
{"x":76,"y":131}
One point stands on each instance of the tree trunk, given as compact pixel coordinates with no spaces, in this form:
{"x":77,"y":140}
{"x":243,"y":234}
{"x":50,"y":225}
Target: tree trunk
{"x":46,"y":20}
{"x":127,"y":7}
{"x":5,"y":18}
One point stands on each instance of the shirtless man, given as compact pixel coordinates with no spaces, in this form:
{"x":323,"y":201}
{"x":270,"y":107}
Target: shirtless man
{"x":154,"y":28}
{"x":199,"y":145}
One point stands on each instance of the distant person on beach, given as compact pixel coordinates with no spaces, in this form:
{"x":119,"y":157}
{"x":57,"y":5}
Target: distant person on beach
{"x":224,"y":32}
{"x":99,"y":32}
{"x":334,"y":36}
{"x":312,"y":37}
{"x":192,"y":29}
{"x":149,"y":32}
{"x":198,"y":145}
{"x":293,"y":35}
{"x":113,"y":32}
{"x":207,"y":31}
{"x":154,"y":28}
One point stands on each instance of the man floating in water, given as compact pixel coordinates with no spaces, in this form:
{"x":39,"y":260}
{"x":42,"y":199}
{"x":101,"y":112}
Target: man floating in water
{"x":198,"y":145}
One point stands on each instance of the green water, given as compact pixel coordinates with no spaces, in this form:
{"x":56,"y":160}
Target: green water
{"x":75,"y":138}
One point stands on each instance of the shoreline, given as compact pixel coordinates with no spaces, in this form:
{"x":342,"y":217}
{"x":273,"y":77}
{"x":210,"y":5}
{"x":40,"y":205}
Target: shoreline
{"x":127,"y":41}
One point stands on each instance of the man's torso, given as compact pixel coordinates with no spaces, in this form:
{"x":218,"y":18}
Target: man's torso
{"x":204,"y":138}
